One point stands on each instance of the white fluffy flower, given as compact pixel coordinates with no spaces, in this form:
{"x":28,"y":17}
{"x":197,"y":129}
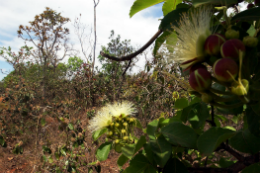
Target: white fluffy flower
{"x":105,"y":115}
{"x":193,"y":29}
{"x":125,"y":108}
{"x":101,"y":120}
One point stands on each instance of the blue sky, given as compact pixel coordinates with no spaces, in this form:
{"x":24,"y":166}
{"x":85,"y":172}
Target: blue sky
{"x":113,"y":14}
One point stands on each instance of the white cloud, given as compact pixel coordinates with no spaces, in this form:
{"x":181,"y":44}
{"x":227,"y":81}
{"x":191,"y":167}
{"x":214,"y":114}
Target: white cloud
{"x":111,"y":14}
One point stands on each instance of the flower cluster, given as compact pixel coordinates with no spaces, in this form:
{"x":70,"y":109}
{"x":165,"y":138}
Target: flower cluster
{"x":198,"y":47}
{"x":116,"y":118}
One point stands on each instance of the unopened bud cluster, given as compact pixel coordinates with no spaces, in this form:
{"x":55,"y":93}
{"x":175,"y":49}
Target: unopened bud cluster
{"x":225,"y":53}
{"x":120,"y":130}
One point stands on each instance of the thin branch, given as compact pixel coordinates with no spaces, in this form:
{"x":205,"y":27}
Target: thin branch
{"x":130,"y":56}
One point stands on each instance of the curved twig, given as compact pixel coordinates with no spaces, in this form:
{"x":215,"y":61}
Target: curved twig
{"x":132,"y":55}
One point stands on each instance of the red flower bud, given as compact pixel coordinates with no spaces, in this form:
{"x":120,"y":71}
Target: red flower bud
{"x":250,"y":6}
{"x":200,"y":79}
{"x":197,"y":66}
{"x":230,"y":49}
{"x":225,"y":69}
{"x":213,"y":43}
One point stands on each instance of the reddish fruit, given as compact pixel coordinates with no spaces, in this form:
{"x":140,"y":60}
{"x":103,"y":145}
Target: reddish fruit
{"x":213,"y":43}
{"x":230,"y":49}
{"x":225,"y":69}
{"x":200,"y":80}
{"x":250,"y":6}
{"x":197,"y":66}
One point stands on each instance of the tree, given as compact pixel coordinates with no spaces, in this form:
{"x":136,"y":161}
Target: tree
{"x":49,"y":36}
{"x":115,"y":71}
{"x":74,"y":63}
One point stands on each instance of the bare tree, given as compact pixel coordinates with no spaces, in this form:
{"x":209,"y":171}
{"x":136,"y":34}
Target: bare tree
{"x":49,"y":37}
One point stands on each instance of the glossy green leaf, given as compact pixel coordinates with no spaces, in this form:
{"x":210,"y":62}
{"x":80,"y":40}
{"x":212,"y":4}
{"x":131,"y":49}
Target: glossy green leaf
{"x":122,"y":160}
{"x":245,"y":142}
{"x":152,"y":129}
{"x":212,"y":138}
{"x":130,"y":149}
{"x":180,"y":135}
{"x":140,"y":164}
{"x":188,"y":112}
{"x":252,"y":168}
{"x":172,"y":19}
{"x":98,"y":133}
{"x":248,"y":15}
{"x":161,"y":149}
{"x":170,"y":5}
{"x":103,"y":151}
{"x":142,"y":4}
{"x":181,"y":103}
{"x":202,"y":112}
{"x":197,"y":3}
{"x":175,"y":166}
{"x":149,"y":153}
{"x":253,"y":122}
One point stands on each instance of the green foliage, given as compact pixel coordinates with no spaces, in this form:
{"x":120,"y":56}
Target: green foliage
{"x":140,"y":164}
{"x":142,"y":4}
{"x":103,"y":151}
{"x":74,"y":63}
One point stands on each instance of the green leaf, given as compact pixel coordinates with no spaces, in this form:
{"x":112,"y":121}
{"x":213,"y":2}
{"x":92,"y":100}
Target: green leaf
{"x":140,"y":164}
{"x":138,"y":124}
{"x":252,"y":168}
{"x":130,"y":149}
{"x":142,"y":4}
{"x":251,"y":31}
{"x":245,"y":142}
{"x":122,"y":160}
{"x":46,"y":149}
{"x":212,"y":138}
{"x":197,"y":3}
{"x":175,"y":166}
{"x":171,"y":41}
{"x":2,"y":141}
{"x":172,"y":19}
{"x":103,"y":151}
{"x":169,"y":120}
{"x":188,"y":112}
{"x":152,"y":129}
{"x":70,"y":125}
{"x":63,"y":152}
{"x":43,"y":122}
{"x":170,"y":5}
{"x":149,"y":153}
{"x":224,"y":163}
{"x":248,"y":15}
{"x":202,"y":112}
{"x":253,"y":121}
{"x":181,"y":103}
{"x":159,"y":41}
{"x":162,"y":150}
{"x":180,"y":135}
{"x":98,"y":133}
